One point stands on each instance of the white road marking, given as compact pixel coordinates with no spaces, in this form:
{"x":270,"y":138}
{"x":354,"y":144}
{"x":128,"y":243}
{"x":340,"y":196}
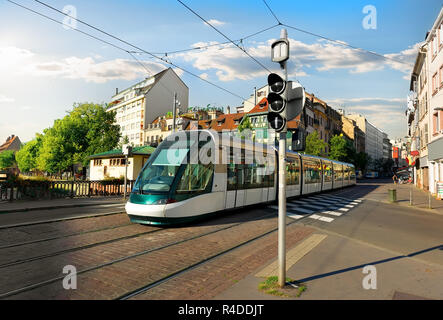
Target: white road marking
{"x":317,"y":217}
{"x":293,"y":215}
{"x":343,"y":209}
{"x":333,"y":213}
{"x":349,"y":206}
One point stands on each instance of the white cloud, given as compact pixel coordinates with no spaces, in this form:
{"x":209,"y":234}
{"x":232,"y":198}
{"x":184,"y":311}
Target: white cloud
{"x":17,"y":61}
{"x":5,"y":99}
{"x":215,"y":23}
{"x":91,"y":71}
{"x":229,"y":63}
{"x":204,"y":76}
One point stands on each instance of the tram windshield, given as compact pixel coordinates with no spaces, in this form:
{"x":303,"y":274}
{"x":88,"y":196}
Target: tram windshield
{"x":160,"y":171}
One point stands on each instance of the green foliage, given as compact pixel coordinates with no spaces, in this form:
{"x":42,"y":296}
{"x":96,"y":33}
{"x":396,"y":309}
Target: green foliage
{"x":7,"y":159}
{"x":314,"y":145}
{"x":245,"y":124}
{"x":27,"y":156}
{"x":86,"y":130}
{"x":169,"y":114}
{"x":338,"y":148}
{"x":361,"y":161}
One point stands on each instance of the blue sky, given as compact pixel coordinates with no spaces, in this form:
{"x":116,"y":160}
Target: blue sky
{"x":44,"y":68}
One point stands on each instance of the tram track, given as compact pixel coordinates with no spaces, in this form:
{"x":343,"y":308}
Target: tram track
{"x":157,"y":282}
{"x":178,"y":273}
{"x":53,"y":254}
{"x":125,"y":258}
{"x":18,"y":244}
{"x":86,"y":216}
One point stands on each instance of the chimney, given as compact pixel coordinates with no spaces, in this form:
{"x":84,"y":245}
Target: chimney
{"x":228,"y":110}
{"x":116,"y":91}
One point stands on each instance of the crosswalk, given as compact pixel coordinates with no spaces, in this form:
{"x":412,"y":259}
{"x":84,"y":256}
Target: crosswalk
{"x":322,"y":207}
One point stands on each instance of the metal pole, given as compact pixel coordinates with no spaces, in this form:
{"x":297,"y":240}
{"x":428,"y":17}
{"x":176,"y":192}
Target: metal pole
{"x":429,"y":200}
{"x":255,"y":96}
{"x":282,"y":201}
{"x":174,"y":111}
{"x":126,"y":175}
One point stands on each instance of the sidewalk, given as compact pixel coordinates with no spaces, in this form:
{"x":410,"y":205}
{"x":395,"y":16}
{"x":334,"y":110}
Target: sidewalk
{"x":420,"y":198}
{"x":333,"y":270}
{"x":24,"y":205}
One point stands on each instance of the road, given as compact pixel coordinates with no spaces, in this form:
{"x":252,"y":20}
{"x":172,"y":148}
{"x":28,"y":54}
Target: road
{"x":116,"y":259}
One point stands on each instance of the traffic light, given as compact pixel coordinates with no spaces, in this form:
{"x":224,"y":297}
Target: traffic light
{"x":286,"y":100}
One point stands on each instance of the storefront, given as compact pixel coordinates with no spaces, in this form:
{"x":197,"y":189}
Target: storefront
{"x":435,"y":155}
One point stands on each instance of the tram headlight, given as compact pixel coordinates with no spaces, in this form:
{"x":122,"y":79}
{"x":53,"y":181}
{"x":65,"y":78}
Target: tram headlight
{"x":165,"y":201}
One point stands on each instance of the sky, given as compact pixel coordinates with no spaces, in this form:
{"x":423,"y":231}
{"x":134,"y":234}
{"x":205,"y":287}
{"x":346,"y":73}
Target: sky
{"x":46,"y":68}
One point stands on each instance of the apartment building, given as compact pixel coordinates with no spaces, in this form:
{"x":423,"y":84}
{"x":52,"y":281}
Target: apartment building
{"x":374,"y":137}
{"x":434,"y":42}
{"x":143,"y":102}
{"x":425,"y":109}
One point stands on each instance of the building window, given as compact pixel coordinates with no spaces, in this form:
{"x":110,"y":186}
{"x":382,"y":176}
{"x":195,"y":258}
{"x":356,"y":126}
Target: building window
{"x":436,"y":123}
{"x":434,"y":84}
{"x":97,"y":162}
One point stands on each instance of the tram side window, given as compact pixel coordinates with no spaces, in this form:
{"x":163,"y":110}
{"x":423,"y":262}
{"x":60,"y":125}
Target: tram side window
{"x":312,"y":171}
{"x":232,"y":177}
{"x":293,"y":172}
{"x":352,"y":173}
{"x":338,"y":172}
{"x":327,"y":172}
{"x":196,"y":178}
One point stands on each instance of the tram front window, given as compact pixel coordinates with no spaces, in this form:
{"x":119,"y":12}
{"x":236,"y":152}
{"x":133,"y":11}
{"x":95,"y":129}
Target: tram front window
{"x":159,"y":174}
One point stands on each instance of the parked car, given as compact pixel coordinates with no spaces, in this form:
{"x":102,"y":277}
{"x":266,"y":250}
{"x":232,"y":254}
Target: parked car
{"x":371,"y":174}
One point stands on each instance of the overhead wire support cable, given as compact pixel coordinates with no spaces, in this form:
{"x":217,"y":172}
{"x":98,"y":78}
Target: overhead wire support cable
{"x":342,"y":43}
{"x":127,"y":43}
{"x":272,"y":12}
{"x":225,"y":36}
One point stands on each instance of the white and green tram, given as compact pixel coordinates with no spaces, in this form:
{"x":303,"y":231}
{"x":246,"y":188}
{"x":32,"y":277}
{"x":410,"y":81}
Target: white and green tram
{"x":194,"y":174}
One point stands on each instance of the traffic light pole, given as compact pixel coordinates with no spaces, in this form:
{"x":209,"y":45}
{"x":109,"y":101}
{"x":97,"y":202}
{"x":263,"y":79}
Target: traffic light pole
{"x":282,"y":200}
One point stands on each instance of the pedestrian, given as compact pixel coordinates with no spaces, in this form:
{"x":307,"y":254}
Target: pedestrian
{"x":395,"y":178}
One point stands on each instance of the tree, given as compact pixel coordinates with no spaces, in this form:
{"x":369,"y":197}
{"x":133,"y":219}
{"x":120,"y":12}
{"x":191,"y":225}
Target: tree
{"x":7,"y":159}
{"x":338,"y":149}
{"x":361,"y":161}
{"x":314,"y":145}
{"x":244,"y":129}
{"x":27,"y":156}
{"x":86,"y":130}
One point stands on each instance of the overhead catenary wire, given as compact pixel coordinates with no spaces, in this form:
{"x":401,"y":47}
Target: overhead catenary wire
{"x":272,"y":12}
{"x":225,"y":36}
{"x":125,"y":42}
{"x":342,"y":43}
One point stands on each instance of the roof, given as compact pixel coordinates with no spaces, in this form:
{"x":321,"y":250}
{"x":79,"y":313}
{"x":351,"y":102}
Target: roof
{"x":9,"y":141}
{"x":143,"y":150}
{"x":262,"y":106}
{"x":156,"y":77}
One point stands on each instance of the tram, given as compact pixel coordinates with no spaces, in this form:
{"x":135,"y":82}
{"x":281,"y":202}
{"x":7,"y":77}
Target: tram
{"x":194,"y":174}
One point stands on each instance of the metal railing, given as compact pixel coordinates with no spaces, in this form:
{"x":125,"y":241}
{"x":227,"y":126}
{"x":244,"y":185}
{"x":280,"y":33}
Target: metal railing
{"x":28,"y":189}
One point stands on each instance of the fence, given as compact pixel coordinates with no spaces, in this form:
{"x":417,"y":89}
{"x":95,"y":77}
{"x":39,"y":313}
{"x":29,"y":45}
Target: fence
{"x":29,"y":189}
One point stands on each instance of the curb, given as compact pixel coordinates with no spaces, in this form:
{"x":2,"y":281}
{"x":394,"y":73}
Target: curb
{"x":434,"y":211}
{"x":54,"y":207}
